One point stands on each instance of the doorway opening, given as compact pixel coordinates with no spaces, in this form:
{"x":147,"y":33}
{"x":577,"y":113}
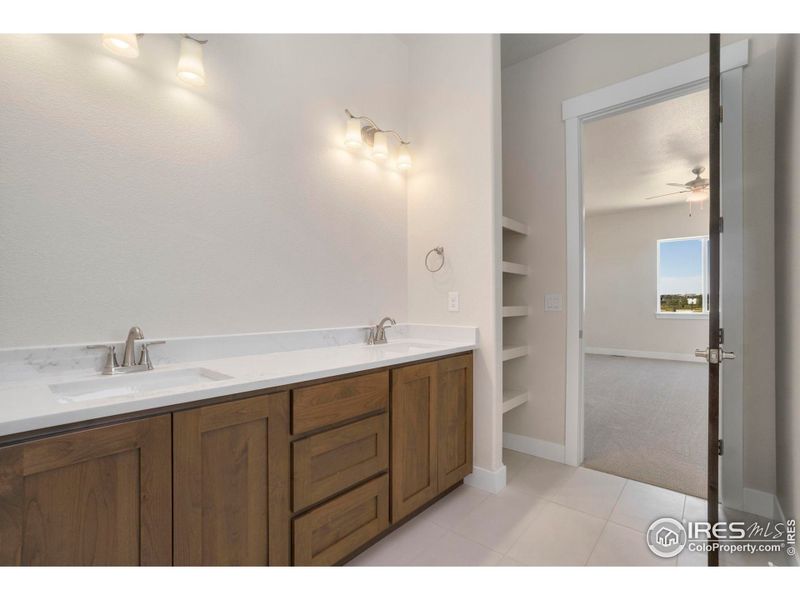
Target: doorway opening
{"x":645,"y":240}
{"x":652,"y":88}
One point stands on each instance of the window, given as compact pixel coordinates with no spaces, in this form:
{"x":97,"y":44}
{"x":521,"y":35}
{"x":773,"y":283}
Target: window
{"x":683,"y":276}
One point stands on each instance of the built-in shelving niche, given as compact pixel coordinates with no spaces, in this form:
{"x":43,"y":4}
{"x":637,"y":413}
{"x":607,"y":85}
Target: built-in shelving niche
{"x":515,"y":274}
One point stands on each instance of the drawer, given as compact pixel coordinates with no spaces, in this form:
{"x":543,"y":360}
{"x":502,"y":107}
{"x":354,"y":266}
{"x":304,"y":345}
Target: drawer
{"x":329,"y":533}
{"x":329,"y":462}
{"x":330,"y":403}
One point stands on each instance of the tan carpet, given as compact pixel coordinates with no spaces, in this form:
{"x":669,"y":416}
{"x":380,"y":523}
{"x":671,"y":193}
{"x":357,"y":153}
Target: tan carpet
{"x":646,"y":420}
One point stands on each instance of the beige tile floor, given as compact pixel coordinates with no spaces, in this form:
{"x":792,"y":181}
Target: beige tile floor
{"x":549,"y":514}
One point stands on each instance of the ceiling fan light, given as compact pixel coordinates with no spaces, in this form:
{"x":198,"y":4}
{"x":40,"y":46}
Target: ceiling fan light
{"x":697,"y":195}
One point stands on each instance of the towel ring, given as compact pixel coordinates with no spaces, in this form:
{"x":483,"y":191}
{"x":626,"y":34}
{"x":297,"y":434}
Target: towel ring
{"x":438,"y":250}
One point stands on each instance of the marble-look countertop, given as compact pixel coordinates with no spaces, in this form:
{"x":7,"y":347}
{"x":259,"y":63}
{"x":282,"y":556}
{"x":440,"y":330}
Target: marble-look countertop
{"x":33,"y":380}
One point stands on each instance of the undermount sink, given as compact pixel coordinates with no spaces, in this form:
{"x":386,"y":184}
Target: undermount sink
{"x":404,"y":348}
{"x":112,"y":386}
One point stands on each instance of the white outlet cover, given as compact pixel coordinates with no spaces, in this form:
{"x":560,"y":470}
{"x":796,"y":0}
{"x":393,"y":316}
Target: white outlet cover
{"x":553,"y":303}
{"x":452,"y":302}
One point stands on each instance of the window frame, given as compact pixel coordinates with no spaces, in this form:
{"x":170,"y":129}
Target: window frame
{"x":704,"y":241}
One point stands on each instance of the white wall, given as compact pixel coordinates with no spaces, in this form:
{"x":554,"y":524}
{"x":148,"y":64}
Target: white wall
{"x":126,"y":198}
{"x":621,"y":281}
{"x":453,"y":201}
{"x":534,"y":192}
{"x":787,"y":273}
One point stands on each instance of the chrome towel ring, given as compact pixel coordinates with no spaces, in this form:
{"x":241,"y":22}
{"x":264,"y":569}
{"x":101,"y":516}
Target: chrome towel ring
{"x":438,"y":250}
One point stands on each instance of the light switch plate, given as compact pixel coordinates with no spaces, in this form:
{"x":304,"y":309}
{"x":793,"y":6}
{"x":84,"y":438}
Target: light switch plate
{"x":452,"y":302}
{"x":552,"y":303}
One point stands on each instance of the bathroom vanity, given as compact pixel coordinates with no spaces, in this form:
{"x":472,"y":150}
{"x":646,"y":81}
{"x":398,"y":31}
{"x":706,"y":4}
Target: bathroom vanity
{"x":305,"y":473}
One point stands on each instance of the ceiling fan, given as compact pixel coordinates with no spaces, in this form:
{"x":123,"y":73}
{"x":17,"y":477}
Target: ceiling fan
{"x":696,"y":190}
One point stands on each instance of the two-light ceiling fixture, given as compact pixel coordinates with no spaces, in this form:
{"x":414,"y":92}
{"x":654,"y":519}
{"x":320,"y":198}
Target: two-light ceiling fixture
{"x":363,"y":130}
{"x":190,"y":64}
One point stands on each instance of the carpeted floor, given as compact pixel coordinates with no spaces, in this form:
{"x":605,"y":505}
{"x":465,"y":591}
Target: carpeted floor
{"x":646,"y":420}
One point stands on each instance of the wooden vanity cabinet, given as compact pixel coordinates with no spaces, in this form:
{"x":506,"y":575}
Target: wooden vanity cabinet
{"x":306,"y":476}
{"x":431,"y":432}
{"x":95,"y":497}
{"x":231,"y":483}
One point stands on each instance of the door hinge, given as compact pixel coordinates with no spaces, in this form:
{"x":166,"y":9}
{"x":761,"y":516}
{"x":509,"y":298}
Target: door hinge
{"x":721,"y":336}
{"x":580,"y":334}
{"x":721,"y":224}
{"x":720,"y":447}
{"x":720,"y":113}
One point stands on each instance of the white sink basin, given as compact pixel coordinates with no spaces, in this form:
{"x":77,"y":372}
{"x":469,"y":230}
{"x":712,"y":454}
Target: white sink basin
{"x":112,"y":386}
{"x":406,"y":348}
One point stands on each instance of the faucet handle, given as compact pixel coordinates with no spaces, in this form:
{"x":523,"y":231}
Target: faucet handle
{"x":111,"y":357}
{"x":144,"y":357}
{"x":371,"y":336}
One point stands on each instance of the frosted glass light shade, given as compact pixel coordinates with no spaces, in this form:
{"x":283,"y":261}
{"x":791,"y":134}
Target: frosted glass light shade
{"x":700,"y":195}
{"x":380,"y":146}
{"x":352,"y":137}
{"x":122,"y":44}
{"x":403,"y":158}
{"x":190,"y":64}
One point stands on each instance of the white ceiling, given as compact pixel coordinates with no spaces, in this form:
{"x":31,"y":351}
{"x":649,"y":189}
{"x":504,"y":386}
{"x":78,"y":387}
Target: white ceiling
{"x":515,"y":47}
{"x":632,"y":155}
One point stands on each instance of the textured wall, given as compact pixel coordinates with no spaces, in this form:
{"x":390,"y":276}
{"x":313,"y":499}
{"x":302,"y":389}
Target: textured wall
{"x":126,"y":198}
{"x":621,"y":281}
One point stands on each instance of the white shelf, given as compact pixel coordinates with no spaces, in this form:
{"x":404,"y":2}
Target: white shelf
{"x":515,"y":311}
{"x":514,"y":268}
{"x":514,"y":398}
{"x":515,"y":226}
{"x":512,"y":352}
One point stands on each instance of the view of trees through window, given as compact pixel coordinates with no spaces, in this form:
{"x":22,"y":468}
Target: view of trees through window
{"x":682,"y":275}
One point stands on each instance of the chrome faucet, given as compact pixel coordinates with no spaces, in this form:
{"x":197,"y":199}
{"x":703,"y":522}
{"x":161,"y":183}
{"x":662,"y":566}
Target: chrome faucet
{"x":135,"y":333}
{"x":129,"y":363}
{"x":377,"y":334}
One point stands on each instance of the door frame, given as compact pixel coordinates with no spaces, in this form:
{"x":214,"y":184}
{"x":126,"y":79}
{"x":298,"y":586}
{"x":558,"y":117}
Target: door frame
{"x":668,"y":82}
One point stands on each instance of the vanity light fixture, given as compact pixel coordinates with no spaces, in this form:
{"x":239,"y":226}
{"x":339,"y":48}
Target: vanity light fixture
{"x":122,"y":44}
{"x":190,"y":64}
{"x":403,"y":157}
{"x":352,"y":138}
{"x":380,"y":146}
{"x":358,"y":134}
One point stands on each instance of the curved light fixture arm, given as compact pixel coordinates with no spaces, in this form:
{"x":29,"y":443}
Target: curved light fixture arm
{"x":199,"y":41}
{"x":375,"y":126}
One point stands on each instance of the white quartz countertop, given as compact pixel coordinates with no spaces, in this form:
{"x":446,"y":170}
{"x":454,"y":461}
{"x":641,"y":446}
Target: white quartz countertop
{"x":49,"y":396}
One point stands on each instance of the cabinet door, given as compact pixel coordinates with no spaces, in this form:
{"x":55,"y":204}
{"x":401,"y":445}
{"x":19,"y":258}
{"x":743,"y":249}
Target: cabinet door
{"x":231,"y":496}
{"x":95,"y":497}
{"x":454,"y":418}
{"x":413,"y":434}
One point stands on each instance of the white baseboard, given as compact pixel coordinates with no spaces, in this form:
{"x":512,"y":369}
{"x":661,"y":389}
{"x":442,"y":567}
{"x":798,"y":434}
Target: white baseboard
{"x":534,"y":447}
{"x":644,"y":354}
{"x":760,"y":503}
{"x":484,"y":479}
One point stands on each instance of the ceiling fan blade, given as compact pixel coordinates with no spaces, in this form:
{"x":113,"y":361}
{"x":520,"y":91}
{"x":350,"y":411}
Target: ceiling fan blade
{"x":670,"y":194}
{"x":677,"y":184}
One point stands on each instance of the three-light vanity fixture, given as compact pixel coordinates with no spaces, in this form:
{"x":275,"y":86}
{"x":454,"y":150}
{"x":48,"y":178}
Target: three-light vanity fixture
{"x":363,"y":130}
{"x":190,"y":64}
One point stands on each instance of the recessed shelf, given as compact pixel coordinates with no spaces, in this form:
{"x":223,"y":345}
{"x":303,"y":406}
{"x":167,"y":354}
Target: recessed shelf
{"x":510,"y":224}
{"x":512,"y":352}
{"x":514,"y":268}
{"x":515,"y":311}
{"x":514,"y":398}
